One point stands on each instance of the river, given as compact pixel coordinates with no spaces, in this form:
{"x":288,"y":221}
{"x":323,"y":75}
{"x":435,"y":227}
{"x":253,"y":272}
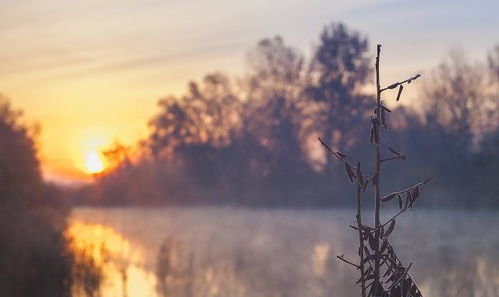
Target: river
{"x":231,"y":252}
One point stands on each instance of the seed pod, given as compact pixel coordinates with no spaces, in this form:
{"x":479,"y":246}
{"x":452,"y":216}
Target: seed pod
{"x":415,"y":193}
{"x":407,"y":198}
{"x":400,"y":92}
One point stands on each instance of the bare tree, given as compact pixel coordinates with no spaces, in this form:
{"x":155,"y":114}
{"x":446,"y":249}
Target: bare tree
{"x":338,"y":74}
{"x":456,"y":99}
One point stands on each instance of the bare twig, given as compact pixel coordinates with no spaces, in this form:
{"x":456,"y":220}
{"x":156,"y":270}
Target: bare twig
{"x":342,"y":258}
{"x":359,"y":226}
{"x":366,"y":176}
{"x":394,"y":85}
{"x":377,"y":201}
{"x":408,"y":189}
{"x":394,"y":158}
{"x":401,"y":277}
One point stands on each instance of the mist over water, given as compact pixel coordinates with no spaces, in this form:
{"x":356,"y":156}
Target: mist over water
{"x":241,"y":252}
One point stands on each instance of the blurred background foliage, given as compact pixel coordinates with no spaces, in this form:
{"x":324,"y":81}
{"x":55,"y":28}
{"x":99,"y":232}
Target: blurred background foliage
{"x":252,"y":140}
{"x":35,"y":258}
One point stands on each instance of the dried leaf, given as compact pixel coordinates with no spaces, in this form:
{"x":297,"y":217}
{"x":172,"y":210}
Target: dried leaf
{"x":415,"y":193}
{"x":400,"y":201}
{"x":350,"y":173}
{"x":372,"y":243}
{"x":383,"y":246}
{"x":365,"y":260}
{"x":410,"y":198}
{"x":400,"y":92}
{"x":407,"y":199}
{"x":341,"y":155}
{"x":388,"y":197}
{"x":390,"y":228}
{"x":369,"y":271}
{"x":388,"y":271}
{"x":383,"y":119}
{"x":413,"y":290}
{"x":371,"y":290}
{"x":366,"y":251}
{"x":394,"y":151}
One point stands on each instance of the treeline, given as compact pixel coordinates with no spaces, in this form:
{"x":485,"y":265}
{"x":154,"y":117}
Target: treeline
{"x":36,"y":258}
{"x":252,"y":140}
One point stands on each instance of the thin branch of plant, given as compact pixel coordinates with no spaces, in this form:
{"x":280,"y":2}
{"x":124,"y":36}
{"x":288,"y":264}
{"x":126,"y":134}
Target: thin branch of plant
{"x":385,"y":275}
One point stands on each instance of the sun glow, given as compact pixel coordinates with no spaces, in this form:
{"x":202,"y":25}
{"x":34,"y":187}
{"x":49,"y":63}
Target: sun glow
{"x":93,"y":163}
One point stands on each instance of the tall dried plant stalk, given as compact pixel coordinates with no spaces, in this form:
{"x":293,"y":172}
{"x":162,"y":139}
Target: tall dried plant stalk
{"x":382,"y":274}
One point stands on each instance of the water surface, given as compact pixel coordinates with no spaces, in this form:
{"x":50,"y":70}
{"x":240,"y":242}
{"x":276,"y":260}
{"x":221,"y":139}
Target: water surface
{"x":230,"y":252}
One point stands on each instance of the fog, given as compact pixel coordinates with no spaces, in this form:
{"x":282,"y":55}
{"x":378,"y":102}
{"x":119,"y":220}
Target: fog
{"x":243,"y":252}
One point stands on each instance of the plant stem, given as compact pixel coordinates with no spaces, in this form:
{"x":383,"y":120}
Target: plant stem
{"x":361,"y":241}
{"x":377,"y":200}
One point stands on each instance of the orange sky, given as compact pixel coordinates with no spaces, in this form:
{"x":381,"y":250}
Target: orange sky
{"x":90,"y":72}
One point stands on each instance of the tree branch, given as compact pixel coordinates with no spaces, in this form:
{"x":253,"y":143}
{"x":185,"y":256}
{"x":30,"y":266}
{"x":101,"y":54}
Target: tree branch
{"x":407,"y":189}
{"x":408,"y":81}
{"x":348,"y":262}
{"x":366,"y":176}
{"x":394,"y":158}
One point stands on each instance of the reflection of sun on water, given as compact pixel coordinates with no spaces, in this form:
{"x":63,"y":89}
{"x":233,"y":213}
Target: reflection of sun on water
{"x":114,"y":255}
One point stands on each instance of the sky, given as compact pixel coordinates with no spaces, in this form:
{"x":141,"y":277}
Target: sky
{"x":91,"y":72}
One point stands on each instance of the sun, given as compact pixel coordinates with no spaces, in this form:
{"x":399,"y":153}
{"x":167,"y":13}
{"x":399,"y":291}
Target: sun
{"x":93,"y":163}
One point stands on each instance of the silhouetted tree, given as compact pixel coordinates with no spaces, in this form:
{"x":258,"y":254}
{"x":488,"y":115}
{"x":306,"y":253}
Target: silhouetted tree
{"x":454,"y":99}
{"x":247,"y":141}
{"x":272,"y":115}
{"x":338,"y":72}
{"x":34,"y":260}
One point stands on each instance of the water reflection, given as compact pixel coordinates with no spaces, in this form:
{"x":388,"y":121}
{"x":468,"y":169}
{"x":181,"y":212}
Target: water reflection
{"x":119,"y":266}
{"x":234,"y":252}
